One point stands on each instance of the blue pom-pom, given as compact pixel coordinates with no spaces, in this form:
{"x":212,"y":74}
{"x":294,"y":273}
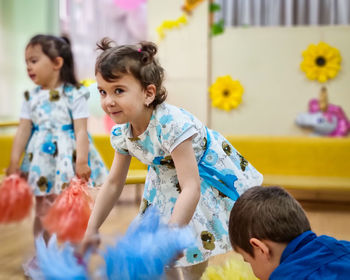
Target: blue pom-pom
{"x":55,"y":263}
{"x":146,"y":249}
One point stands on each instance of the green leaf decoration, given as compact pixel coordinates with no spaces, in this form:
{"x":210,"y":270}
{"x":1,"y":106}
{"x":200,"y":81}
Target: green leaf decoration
{"x":217,"y":28}
{"x":214,"y":7}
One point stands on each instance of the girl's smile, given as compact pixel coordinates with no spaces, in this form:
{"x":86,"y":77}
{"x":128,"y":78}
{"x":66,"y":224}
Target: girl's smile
{"x":124,"y":100}
{"x":32,"y":76}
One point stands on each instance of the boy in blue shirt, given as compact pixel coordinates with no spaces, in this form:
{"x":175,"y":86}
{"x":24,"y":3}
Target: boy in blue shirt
{"x":269,"y":228}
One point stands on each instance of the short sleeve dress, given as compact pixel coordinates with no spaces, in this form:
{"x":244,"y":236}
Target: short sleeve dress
{"x":50,"y":154}
{"x":224,"y":175}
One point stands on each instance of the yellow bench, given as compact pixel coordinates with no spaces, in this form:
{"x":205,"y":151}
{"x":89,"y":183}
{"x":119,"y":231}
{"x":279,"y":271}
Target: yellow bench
{"x":137,"y":171}
{"x":308,"y":167}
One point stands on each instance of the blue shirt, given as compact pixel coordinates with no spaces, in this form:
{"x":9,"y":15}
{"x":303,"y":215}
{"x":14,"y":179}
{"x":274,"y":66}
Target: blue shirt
{"x":311,"y":257}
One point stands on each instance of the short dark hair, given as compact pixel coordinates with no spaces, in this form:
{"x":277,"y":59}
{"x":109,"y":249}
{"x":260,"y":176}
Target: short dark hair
{"x":53,"y":47}
{"x":266,"y":213}
{"x":137,"y":60}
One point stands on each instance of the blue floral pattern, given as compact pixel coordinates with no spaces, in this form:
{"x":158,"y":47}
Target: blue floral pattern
{"x":50,"y":154}
{"x":168,"y":127}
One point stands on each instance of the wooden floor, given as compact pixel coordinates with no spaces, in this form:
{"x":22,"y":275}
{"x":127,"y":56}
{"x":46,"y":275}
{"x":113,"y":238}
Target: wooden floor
{"x":16,"y":240}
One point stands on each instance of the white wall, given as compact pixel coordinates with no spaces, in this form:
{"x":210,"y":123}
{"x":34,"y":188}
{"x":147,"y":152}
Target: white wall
{"x":266,"y":61}
{"x":184,"y":54}
{"x":19,"y":21}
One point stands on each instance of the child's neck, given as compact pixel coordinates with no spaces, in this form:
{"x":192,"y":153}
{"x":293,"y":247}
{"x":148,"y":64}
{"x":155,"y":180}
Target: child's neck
{"x":54,"y":83}
{"x":138,"y":127}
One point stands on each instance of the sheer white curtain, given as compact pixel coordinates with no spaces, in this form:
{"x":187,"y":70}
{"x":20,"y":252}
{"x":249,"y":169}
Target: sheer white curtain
{"x":87,"y":21}
{"x":283,"y":12}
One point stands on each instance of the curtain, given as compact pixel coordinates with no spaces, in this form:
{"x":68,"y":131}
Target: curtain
{"x":283,"y":12}
{"x":86,"y":22}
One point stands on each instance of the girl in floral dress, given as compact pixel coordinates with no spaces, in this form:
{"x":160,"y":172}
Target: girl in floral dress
{"x":195,"y":175}
{"x":53,"y":126}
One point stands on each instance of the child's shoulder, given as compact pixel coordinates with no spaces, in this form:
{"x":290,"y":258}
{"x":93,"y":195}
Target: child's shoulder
{"x":171,"y":121}
{"x":118,"y":135}
{"x":165,"y":113}
{"x":28,"y":94}
{"x":75,"y":92}
{"x":119,"y":130}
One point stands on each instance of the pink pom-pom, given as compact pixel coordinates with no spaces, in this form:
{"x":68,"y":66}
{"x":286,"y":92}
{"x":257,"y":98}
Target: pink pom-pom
{"x":69,"y":215}
{"x":16,"y":199}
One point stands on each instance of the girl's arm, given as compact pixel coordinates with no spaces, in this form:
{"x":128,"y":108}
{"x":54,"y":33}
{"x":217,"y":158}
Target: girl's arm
{"x":20,"y":141}
{"x":109,"y":193}
{"x":188,"y":176}
{"x":82,"y":168}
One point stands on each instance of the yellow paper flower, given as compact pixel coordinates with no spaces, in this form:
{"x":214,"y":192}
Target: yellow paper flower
{"x":190,"y":5}
{"x":234,"y":269}
{"x":226,"y":93}
{"x":321,"y":62}
{"x":87,"y":82}
{"x":169,"y":25}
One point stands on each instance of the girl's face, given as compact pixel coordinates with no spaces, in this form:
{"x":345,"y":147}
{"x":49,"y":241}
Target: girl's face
{"x":124,"y":99}
{"x":41,"y":69}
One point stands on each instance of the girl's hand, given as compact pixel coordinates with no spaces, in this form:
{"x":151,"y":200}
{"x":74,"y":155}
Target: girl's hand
{"x":83,"y":171}
{"x":90,"y":242}
{"x":13,"y":169}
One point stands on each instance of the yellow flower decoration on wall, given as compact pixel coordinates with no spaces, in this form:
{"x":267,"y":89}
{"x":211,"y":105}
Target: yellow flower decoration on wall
{"x":190,"y":5}
{"x":87,"y":82}
{"x":226,"y":93}
{"x":321,"y":62}
{"x":169,"y":25}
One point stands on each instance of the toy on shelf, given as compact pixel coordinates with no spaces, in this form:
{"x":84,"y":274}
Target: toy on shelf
{"x":16,"y":199}
{"x":324,"y":118}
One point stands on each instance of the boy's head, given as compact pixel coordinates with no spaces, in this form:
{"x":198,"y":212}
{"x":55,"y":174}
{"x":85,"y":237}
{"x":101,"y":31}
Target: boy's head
{"x":262,"y":222}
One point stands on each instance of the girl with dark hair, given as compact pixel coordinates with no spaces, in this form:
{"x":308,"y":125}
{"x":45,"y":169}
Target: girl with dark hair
{"x":194,"y":174}
{"x":53,"y":126}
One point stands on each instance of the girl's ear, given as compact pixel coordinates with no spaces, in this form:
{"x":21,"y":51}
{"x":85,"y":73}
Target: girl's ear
{"x":150,"y":94}
{"x":58,"y":63}
{"x":260,"y":248}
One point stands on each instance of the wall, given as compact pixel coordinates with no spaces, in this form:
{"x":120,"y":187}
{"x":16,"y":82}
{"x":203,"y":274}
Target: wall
{"x":266,"y":61}
{"x":19,"y":21}
{"x":184,"y":54}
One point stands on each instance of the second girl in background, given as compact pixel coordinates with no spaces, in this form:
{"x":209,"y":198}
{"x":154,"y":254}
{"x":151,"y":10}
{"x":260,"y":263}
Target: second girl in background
{"x":53,"y":126}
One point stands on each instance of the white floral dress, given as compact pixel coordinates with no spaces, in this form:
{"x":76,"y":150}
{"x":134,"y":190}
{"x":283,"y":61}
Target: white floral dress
{"x":50,"y":154}
{"x":224,"y":175}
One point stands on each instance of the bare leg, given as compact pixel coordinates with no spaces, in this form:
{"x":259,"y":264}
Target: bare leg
{"x":194,"y":272}
{"x":42,"y":206}
{"x":173,"y":274}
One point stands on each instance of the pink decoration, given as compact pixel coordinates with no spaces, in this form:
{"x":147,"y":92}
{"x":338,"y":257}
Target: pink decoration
{"x":128,"y":5}
{"x":343,"y":124}
{"x":108,"y":123}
